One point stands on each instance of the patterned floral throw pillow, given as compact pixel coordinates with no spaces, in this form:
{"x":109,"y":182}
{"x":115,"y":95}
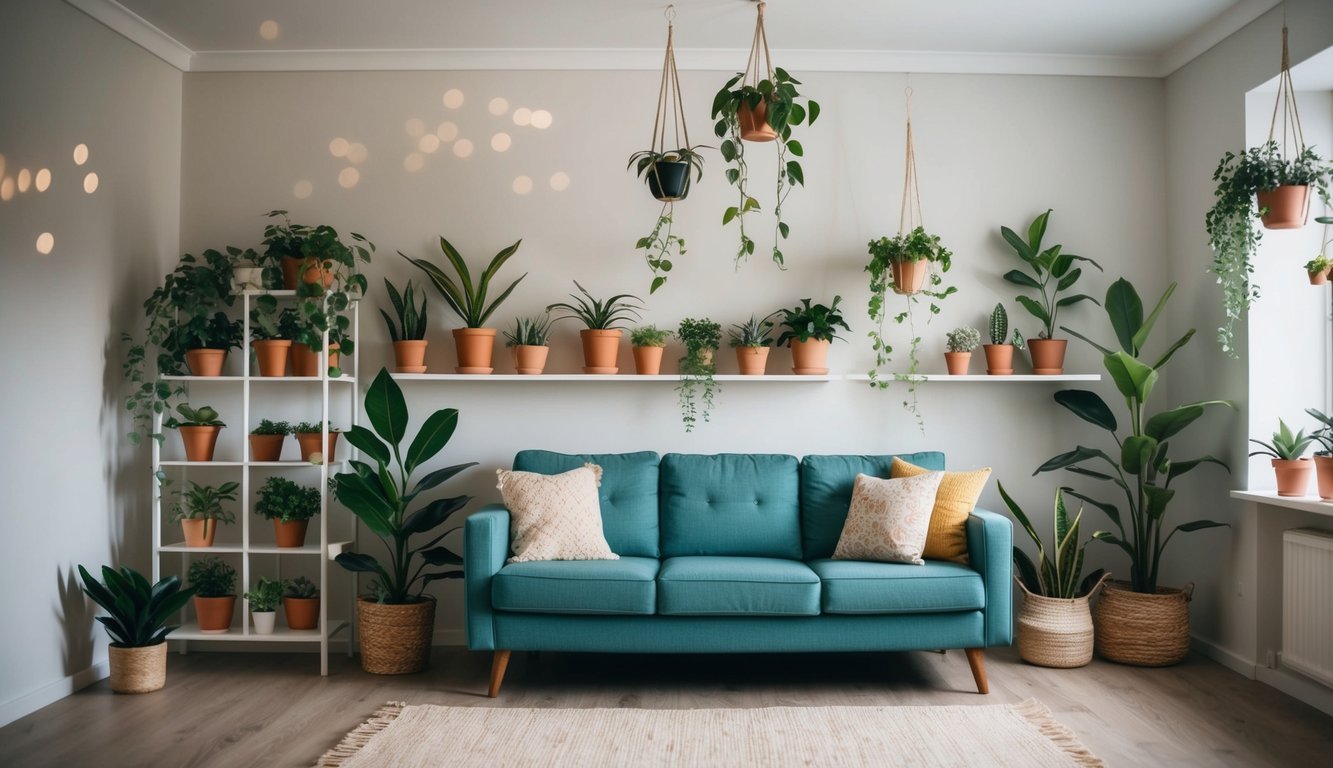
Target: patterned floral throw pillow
{"x":555,"y":517}
{"x":889,"y":519}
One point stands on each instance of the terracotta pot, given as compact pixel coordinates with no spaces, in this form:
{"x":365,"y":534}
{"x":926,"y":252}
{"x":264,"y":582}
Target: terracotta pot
{"x":395,"y":639}
{"x":272,"y":356}
{"x":316,"y":271}
{"x":305,"y":361}
{"x":199,"y":532}
{"x":754,"y":123}
{"x":266,"y":447}
{"x":648,"y":360}
{"x":309,"y":442}
{"x":1293,"y":476}
{"x":1145,"y":630}
{"x":999,"y":359}
{"x":475,"y":347}
{"x":530,"y":359}
{"x":1287,"y":206}
{"x":1048,"y":356}
{"x":1320,"y":277}
{"x":409,"y":356}
{"x":142,"y":669}
{"x":290,"y":533}
{"x":291,"y":272}
{"x":302,"y":612}
{"x":214,"y":613}
{"x":206,"y":362}
{"x":601,"y":349}
{"x":752,"y":360}
{"x":199,"y":442}
{"x":909,"y":276}
{"x":1323,"y":470}
{"x":957,"y":362}
{"x":810,"y":358}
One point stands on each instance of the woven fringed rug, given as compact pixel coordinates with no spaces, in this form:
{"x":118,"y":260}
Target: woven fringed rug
{"x":406,"y":736}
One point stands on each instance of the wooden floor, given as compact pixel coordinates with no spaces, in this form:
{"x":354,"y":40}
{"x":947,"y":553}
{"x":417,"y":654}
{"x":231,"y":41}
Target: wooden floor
{"x":244,"y":709}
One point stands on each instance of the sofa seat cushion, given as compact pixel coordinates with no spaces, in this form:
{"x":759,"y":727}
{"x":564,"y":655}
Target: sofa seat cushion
{"x":624,"y":586}
{"x":737,"y":586}
{"x":860,"y":587}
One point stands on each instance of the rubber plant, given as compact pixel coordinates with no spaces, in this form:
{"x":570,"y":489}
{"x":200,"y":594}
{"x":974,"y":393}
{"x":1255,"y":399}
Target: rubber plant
{"x":701,"y":338}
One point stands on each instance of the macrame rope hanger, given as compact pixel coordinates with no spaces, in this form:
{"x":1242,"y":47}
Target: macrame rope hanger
{"x":760,"y":63}
{"x":1286,"y":104}
{"x":909,"y":216}
{"x":669,"y":102}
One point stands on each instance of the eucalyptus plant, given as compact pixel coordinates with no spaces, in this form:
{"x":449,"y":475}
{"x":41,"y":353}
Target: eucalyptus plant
{"x":1052,"y":271}
{"x":701,"y":338}
{"x":468,"y":300}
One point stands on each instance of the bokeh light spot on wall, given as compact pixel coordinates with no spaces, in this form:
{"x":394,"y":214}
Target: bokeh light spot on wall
{"x":523,"y":185}
{"x":560,"y":181}
{"x":500,"y":142}
{"x":24,"y":179}
{"x":357,"y":153}
{"x":303,"y":189}
{"x":463,"y":148}
{"x":522,"y":116}
{"x":349,"y":178}
{"x":81,"y":154}
{"x":453,"y":98}
{"x":7,"y":189}
{"x":269,"y":30}
{"x":429,"y":143}
{"x":541,"y":119}
{"x":42,"y":180}
{"x":447,"y":131}
{"x":339,"y":146}
{"x":498,"y":106}
{"x":414,"y":162}
{"x":45,"y":242}
{"x":415,"y":127}
{"x":90,"y":183}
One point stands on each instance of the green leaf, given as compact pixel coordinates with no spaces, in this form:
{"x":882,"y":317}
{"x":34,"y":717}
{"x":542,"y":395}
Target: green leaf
{"x":367,"y":502}
{"x":1169,"y":423}
{"x":431,"y":438}
{"x":1027,"y":572}
{"x":432,"y":479}
{"x":1076,"y":298}
{"x":794,"y":146}
{"x":1021,"y":278}
{"x":365,"y":441}
{"x":1179,"y":468}
{"x":1182,"y":341}
{"x":1037,"y":230}
{"x":1110,"y":510}
{"x":1141,"y":335}
{"x":1024,"y":251}
{"x":1088,"y":406}
{"x":1111,"y":538}
{"x":1125,"y":309}
{"x":433,"y":515}
{"x":1134,"y":379}
{"x":728,"y":215}
{"x":359,"y":563}
{"x":814,"y":111}
{"x":1136,"y":454}
{"x":783,"y":229}
{"x":795,"y":173}
{"x":1199,"y":525}
{"x":1157,"y":500}
{"x":728,"y":150}
{"x":441,"y":556}
{"x":1037,"y":310}
{"x":386,"y":408}
{"x":1079,"y":454}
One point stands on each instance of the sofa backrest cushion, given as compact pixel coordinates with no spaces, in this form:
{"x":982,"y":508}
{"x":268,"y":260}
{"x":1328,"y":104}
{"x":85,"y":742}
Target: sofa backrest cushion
{"x":628,"y":495}
{"x":731,"y":504}
{"x":826,"y":493}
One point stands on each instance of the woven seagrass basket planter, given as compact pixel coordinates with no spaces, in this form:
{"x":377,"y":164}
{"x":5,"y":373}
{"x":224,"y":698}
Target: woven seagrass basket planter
{"x":1055,"y":631}
{"x":138,"y":670}
{"x":395,"y":639}
{"x":1142,"y":629}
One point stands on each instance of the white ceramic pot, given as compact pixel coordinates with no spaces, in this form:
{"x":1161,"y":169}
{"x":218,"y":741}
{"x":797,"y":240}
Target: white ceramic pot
{"x":264,"y":621}
{"x":248,"y":278}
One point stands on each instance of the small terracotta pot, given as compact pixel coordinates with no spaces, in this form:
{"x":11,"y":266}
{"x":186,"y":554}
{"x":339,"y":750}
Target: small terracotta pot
{"x":810,"y":358}
{"x":214,"y":613}
{"x":1286,"y":207}
{"x":752,"y":360}
{"x":1320,"y":277}
{"x":1048,"y":356}
{"x":957,"y":362}
{"x":601,"y":349}
{"x":199,"y":442}
{"x":475,"y":348}
{"x":309,"y":442}
{"x":199,"y":532}
{"x":909,"y":276}
{"x":530,"y":359}
{"x":302,"y":612}
{"x":272,"y":356}
{"x":206,"y":362}
{"x":1323,"y":469}
{"x":648,"y":360}
{"x":291,"y":533}
{"x":754,"y":123}
{"x":316,"y":271}
{"x":305,"y":361}
{"x":1293,"y":476}
{"x":266,"y":447}
{"x":140,"y":669}
{"x":999,"y":359}
{"x":291,"y":272}
{"x":409,"y":356}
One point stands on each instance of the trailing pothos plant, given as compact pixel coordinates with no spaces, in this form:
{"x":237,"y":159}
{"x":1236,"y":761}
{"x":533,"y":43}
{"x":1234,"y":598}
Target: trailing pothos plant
{"x":657,"y":246}
{"x":779,"y":96}
{"x":701,"y":339}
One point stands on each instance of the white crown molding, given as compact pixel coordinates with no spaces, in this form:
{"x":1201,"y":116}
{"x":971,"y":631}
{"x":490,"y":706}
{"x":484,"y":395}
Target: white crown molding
{"x":137,"y":30}
{"x":1201,"y":40}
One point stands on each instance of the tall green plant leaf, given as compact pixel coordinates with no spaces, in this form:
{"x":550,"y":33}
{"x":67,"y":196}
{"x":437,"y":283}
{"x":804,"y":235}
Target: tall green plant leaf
{"x":1088,"y":406}
{"x":386,"y":408}
{"x":1134,"y":379}
{"x":431,"y":438}
{"x":1125,"y":309}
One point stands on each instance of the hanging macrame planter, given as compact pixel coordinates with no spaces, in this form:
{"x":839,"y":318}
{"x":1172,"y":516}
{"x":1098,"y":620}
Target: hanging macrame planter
{"x":1288,"y":205}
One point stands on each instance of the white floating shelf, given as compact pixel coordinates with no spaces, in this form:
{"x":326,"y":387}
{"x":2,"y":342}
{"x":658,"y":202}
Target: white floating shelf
{"x":225,"y":549}
{"x":590,"y":377}
{"x":335,"y":548}
{"x":981,"y":377}
{"x":293,"y":463}
{"x":190,"y":631}
{"x":1311,"y":503}
{"x":259,"y":379}
{"x":203,"y":463}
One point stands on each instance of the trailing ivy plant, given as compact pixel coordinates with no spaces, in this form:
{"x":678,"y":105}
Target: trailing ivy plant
{"x":657,"y":245}
{"x":701,"y":339}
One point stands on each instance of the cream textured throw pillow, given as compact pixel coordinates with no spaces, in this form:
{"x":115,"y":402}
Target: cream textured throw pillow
{"x":888,"y":519}
{"x":555,"y":517}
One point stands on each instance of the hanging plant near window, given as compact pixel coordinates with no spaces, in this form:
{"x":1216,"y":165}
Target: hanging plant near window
{"x":667,"y":170}
{"x":752,"y":109}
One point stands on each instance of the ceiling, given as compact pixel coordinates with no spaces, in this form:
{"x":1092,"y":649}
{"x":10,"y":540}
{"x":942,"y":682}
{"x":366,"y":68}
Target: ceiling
{"x":1127,"y":36}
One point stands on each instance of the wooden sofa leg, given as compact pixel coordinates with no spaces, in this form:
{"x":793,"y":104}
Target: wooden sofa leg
{"x":500,"y":663}
{"x":975,"y":660}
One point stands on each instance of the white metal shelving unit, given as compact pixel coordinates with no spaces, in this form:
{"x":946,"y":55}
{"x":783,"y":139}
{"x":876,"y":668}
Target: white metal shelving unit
{"x":772,"y":378}
{"x":344,"y":387}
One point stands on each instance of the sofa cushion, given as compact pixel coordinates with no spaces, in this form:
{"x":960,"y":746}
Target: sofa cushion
{"x":826,"y":493}
{"x":954,"y":501}
{"x":624,"y":586}
{"x":731,"y":504}
{"x":735,"y":586}
{"x":858,"y":587}
{"x":628,"y":494}
{"x":554,"y":517}
{"x":888,"y":519}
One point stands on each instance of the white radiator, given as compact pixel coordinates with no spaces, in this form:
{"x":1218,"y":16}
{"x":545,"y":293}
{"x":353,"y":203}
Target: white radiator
{"x":1307,"y":603}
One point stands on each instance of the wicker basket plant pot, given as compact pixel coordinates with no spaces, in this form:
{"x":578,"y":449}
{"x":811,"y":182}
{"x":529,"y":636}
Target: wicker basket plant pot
{"x":1145,"y":630}
{"x":138,"y":670}
{"x":1056,"y":632}
{"x":395,"y":639}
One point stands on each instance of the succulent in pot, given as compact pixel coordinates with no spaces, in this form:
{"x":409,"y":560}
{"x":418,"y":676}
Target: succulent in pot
{"x":136,"y":622}
{"x":1287,"y":450}
{"x":959,"y":344}
{"x":1000,"y":352}
{"x":199,"y":510}
{"x":290,"y":506}
{"x":1318,"y":268}
{"x":263,"y":599}
{"x":648,"y":342}
{"x":530,"y":339}
{"x":199,"y":430}
{"x":602,"y":321}
{"x":752,"y":340}
{"x":409,"y":333}
{"x":1323,"y":458}
{"x":214,"y":583}
{"x":300,"y":602}
{"x":701,"y":338}
{"x":809,"y":329}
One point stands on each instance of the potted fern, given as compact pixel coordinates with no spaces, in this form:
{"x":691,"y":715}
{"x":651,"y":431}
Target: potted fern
{"x":752,"y":339}
{"x":648,"y":342}
{"x":409,"y":333}
{"x":136,"y":622}
{"x":199,"y":510}
{"x":529,"y":340}
{"x":602,"y":319}
{"x":999,"y":352}
{"x":701,"y":339}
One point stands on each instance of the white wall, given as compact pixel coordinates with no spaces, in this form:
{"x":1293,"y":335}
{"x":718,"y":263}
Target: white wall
{"x":74,"y":490}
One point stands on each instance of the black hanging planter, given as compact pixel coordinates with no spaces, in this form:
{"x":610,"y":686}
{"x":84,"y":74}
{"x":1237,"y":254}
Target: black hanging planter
{"x":669,"y":180}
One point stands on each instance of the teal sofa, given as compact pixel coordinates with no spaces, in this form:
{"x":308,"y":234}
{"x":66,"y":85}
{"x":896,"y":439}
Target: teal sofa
{"x":731,"y":553}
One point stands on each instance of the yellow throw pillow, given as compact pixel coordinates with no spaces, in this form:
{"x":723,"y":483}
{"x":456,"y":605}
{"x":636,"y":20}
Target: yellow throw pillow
{"x":954,"y":501}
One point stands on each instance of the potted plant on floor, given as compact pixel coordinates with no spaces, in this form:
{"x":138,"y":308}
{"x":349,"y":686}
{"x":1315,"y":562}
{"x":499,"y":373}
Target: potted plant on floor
{"x":1323,"y":459}
{"x":271,"y":334}
{"x":199,"y":510}
{"x":409,"y":334}
{"x":602,"y":319}
{"x":809,"y":330}
{"x":475,"y":343}
{"x":959,"y":344}
{"x":199,"y":431}
{"x":1288,"y":450}
{"x":290,"y":506}
{"x":648,"y":342}
{"x":701,"y":338}
{"x":752,"y":340}
{"x":310,"y":437}
{"x":395,"y":621}
{"x":300,"y":602}
{"x":999,"y":352}
{"x":1318,"y":268}
{"x":266,"y":440}
{"x":1138,"y":621}
{"x":136,"y":622}
{"x":1055,"y":624}
{"x":263,"y":600}
{"x":214,"y":584}
{"x":530,"y":341}
{"x":1052,"y":271}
